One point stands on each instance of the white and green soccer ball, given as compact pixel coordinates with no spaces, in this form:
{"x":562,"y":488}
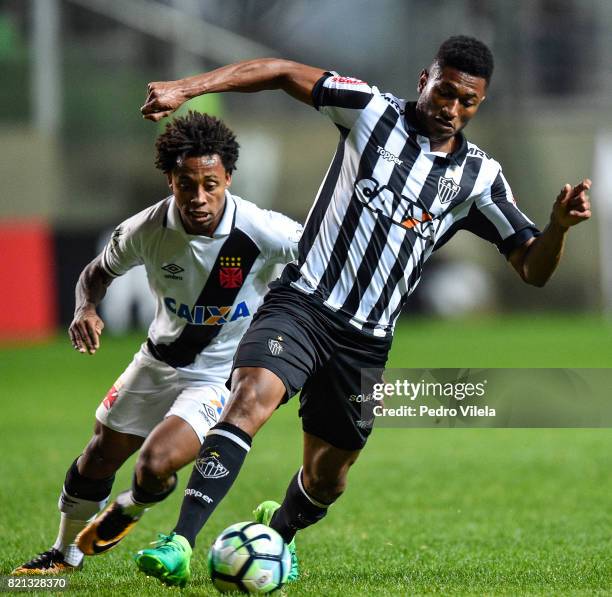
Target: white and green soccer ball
{"x":249,"y":557}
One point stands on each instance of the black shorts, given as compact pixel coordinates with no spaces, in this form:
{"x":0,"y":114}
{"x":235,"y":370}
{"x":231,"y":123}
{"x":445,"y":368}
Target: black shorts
{"x":309,"y":347}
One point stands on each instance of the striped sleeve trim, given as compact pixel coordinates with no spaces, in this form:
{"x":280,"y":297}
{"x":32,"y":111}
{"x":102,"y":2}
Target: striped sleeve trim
{"x":105,"y":265}
{"x":517,"y":239}
{"x":316,"y":90}
{"x":341,"y":92}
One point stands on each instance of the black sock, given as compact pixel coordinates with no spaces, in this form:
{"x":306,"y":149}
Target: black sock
{"x":216,"y":468}
{"x":298,"y":510}
{"x":142,"y":496}
{"x":78,"y":486}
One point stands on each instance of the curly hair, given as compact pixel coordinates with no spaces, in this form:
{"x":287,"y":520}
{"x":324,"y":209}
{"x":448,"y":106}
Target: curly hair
{"x":466,"y":54}
{"x":195,"y":135}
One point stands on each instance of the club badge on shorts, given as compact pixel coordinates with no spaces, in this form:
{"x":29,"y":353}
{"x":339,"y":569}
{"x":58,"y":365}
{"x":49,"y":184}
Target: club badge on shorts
{"x":275,"y":346}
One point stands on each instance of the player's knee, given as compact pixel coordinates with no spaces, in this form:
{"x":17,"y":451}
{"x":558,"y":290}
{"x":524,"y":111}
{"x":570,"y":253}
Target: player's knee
{"x":100,"y":456}
{"x":323,"y":488}
{"x":154,"y":464}
{"x":248,"y":406}
{"x":107,"y":451}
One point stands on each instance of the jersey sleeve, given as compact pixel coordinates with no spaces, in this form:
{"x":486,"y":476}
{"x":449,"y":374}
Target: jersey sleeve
{"x":280,"y":237}
{"x":342,"y":99}
{"x":122,"y":252}
{"x":495,"y":217}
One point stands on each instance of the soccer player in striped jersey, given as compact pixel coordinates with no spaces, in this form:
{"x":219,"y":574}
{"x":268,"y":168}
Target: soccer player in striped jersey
{"x":403,"y":181}
{"x":209,"y":256}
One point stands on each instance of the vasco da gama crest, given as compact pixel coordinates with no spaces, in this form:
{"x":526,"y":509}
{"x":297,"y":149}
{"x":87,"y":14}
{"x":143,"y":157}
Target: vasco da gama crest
{"x":230,"y":272}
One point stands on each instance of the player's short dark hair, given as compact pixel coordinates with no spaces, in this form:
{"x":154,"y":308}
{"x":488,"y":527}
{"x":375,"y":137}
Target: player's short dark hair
{"x":194,"y":135}
{"x":466,"y":54}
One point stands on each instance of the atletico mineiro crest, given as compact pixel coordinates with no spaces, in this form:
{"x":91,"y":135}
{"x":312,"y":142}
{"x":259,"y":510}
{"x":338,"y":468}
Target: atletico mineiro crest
{"x":230,"y":272}
{"x":275,"y":346}
{"x":447,"y":189}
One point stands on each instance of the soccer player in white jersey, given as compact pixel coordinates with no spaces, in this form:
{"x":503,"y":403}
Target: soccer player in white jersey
{"x":209,"y":256}
{"x":404,"y":180}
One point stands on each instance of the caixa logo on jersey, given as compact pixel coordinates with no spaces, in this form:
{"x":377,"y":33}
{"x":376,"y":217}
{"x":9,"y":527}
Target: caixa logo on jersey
{"x":399,"y":208}
{"x":207,"y":314}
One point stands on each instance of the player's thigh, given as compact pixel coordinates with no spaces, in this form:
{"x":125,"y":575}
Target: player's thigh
{"x":168,"y":448}
{"x":256,"y":394}
{"x":175,"y":441}
{"x":325,"y":468}
{"x":106,"y":451}
{"x":200,"y":405}
{"x":141,"y":396}
{"x":334,"y":403}
{"x":274,"y":359}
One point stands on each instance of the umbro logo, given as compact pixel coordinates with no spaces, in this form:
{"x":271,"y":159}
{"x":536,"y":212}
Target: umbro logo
{"x":173,"y":270}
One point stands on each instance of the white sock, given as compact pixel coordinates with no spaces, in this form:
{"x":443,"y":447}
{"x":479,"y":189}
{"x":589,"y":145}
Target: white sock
{"x":68,"y":530}
{"x":76,"y":513}
{"x":130,"y":506}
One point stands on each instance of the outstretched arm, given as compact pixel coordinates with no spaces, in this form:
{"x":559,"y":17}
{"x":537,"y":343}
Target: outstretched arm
{"x":164,"y":97}
{"x":87,"y":326}
{"x":536,"y":260}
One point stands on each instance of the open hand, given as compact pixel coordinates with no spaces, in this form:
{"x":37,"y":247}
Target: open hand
{"x":572,"y":205}
{"x":163,"y":98}
{"x":85,"y":331}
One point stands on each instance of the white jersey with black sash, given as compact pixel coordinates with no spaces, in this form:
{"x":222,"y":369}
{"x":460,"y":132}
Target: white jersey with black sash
{"x":387,"y":202}
{"x":207,"y":288}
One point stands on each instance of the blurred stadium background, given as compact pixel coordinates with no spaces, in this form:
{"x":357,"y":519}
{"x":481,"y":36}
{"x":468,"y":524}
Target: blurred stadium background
{"x":77,"y":158}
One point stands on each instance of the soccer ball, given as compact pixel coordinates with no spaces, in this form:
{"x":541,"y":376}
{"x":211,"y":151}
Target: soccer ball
{"x":249,"y":557}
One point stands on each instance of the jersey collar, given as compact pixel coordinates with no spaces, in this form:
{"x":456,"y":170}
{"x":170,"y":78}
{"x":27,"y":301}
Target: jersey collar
{"x":411,"y":125}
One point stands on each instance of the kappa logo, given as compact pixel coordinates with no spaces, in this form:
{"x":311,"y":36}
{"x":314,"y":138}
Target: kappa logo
{"x":210,"y":467}
{"x":173,"y":270}
{"x":447,"y":189}
{"x":275,"y":346}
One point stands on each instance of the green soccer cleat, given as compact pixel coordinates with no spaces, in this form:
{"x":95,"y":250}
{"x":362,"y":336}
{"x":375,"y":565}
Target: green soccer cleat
{"x":168,"y":560}
{"x":263,"y":514}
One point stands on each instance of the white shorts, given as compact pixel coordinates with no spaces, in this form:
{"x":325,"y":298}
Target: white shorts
{"x":149,"y":390}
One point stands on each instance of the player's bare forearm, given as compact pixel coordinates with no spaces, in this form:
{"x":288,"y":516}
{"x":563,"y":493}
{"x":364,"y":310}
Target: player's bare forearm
{"x":164,"y":97}
{"x":542,"y":256}
{"x":87,"y":326}
{"x":537,"y":260}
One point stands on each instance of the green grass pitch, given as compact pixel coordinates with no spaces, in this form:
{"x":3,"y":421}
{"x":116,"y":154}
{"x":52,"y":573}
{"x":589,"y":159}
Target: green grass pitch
{"x":454,"y":512}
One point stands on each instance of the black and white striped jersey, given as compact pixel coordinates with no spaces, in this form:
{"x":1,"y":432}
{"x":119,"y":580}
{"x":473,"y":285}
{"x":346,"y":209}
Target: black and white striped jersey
{"x":207,"y":288}
{"x":387,"y":202}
